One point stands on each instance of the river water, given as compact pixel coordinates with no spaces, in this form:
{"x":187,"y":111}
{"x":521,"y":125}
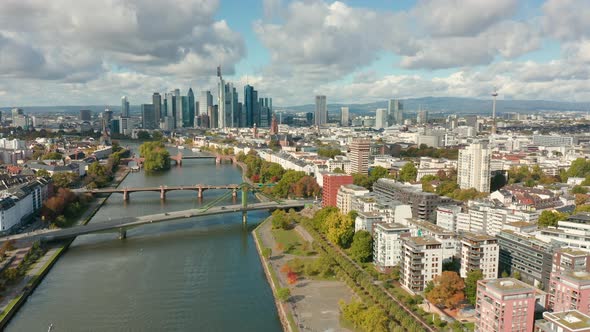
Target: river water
{"x":192,"y":275}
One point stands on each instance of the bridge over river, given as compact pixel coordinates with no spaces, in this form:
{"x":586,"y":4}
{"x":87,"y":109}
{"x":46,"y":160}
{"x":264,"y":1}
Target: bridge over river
{"x":122,"y":225}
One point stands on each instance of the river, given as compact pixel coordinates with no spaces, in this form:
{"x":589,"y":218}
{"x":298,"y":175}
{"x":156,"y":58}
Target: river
{"x":202,"y":274}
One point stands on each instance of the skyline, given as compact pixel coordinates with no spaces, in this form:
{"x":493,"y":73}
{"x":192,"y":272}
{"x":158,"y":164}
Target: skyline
{"x":294,"y":50}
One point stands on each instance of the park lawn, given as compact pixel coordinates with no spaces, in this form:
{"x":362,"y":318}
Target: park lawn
{"x":295,"y":264}
{"x":291,"y":241}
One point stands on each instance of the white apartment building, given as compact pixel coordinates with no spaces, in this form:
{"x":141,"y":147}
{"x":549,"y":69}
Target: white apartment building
{"x":365,"y":220}
{"x":473,"y":167}
{"x":450,"y":243}
{"x":391,"y":211}
{"x":572,"y":232}
{"x":19,"y":202}
{"x":487,"y":217}
{"x":387,"y":244}
{"x":479,"y":252}
{"x":431,"y":166}
{"x":340,"y":162}
{"x":421,"y":261}
{"x":446,"y":216}
{"x":345,"y":195}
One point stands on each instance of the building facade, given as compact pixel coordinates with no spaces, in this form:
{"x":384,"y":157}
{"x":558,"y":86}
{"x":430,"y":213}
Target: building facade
{"x":360,"y":150}
{"x":421,"y":261}
{"x":473,"y":168}
{"x":321,"y":111}
{"x":387,"y":244}
{"x":331,"y":184}
{"x":479,"y":252}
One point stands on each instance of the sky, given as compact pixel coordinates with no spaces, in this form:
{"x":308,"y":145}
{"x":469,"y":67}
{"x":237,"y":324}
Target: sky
{"x":92,"y":52}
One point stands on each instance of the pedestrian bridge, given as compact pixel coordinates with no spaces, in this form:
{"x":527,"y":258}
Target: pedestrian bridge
{"x":122,"y":225}
{"x":126,"y":191}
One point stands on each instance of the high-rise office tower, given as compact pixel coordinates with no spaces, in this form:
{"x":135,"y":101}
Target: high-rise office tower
{"x":360,"y":150}
{"x":85,"y":115}
{"x":214,"y":118}
{"x":231,"y":103}
{"x":189,"y":119}
{"x":250,"y":102}
{"x":148,"y":116}
{"x":321,"y":111}
{"x":344,"y":116}
{"x":395,"y":112}
{"x":16,"y":112}
{"x":178,"y":114}
{"x":473,"y":167}
{"x":274,"y":125}
{"x":205,"y":100}
{"x":242,"y":113}
{"x":221,"y":100}
{"x":186,"y":117}
{"x":157,"y":102}
{"x":170,"y":104}
{"x":422,"y":117}
{"x":124,"y":107}
{"x":380,"y":118}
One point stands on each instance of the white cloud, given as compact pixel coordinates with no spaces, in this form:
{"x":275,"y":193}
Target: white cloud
{"x":567,"y":19}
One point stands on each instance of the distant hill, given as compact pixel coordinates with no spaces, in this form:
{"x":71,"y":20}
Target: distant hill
{"x":455,"y":105}
{"x":431,"y":104}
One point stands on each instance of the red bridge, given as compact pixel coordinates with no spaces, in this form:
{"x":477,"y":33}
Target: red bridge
{"x":199,"y":188}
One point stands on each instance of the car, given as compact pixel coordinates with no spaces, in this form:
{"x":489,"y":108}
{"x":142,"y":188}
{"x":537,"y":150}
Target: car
{"x":223,"y":207}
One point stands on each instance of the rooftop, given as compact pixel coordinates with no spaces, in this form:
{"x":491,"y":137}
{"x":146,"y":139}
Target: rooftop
{"x":573,"y":319}
{"x":423,"y":241}
{"x":508,"y":286}
{"x":477,"y":236}
{"x":574,"y":251}
{"x":391,"y":226}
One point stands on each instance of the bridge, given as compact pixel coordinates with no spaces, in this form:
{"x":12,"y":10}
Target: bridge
{"x":178,"y":158}
{"x":122,"y":225}
{"x":199,"y":188}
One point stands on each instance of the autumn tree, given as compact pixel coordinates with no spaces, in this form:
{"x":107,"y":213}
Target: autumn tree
{"x":447,"y":291}
{"x":339,"y":229}
{"x":305,"y":187}
{"x":471,"y":285}
{"x":549,"y":218}
{"x":280,"y":220}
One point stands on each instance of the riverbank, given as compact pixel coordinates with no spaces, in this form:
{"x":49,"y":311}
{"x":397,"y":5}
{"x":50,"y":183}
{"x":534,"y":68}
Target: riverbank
{"x":285,"y":316}
{"x":41,"y":268}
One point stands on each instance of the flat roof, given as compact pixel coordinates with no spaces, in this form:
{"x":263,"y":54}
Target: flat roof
{"x":574,"y":251}
{"x":509,"y":286}
{"x":423,"y":241}
{"x":477,"y":236}
{"x":572,"y":319}
{"x":391,"y":226}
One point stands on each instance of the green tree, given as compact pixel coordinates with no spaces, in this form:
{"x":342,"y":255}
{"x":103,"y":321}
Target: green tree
{"x":283,"y":294}
{"x":362,"y":180}
{"x":579,"y":190}
{"x":64,"y":179}
{"x":284,"y":186}
{"x":378,"y":172}
{"x":471,"y":285}
{"x":338,"y":170}
{"x":408,"y":173}
{"x":361,"y":249}
{"x":579,"y":168}
{"x":156,"y":157}
{"x":52,"y":156}
{"x":329,"y":152}
{"x":339,"y":229}
{"x":157,"y":135}
{"x":143,"y":135}
{"x":280,"y":220}
{"x":549,"y":218}
{"x":42,"y":173}
{"x":320,"y":217}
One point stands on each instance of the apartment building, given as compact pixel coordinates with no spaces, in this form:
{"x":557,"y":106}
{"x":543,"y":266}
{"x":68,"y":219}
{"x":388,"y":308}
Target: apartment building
{"x":387,"y":244}
{"x":345,"y":196}
{"x":569,"y":287}
{"x":421,"y":261}
{"x":479,"y":252}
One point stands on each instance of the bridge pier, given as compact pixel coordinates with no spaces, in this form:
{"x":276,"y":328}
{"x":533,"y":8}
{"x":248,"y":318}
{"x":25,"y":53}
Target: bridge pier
{"x":218,"y":160}
{"x":162,"y":194}
{"x":125,"y":195}
{"x":244,"y":218}
{"x":200,"y":192}
{"x":122,"y":233}
{"x":234,"y":193}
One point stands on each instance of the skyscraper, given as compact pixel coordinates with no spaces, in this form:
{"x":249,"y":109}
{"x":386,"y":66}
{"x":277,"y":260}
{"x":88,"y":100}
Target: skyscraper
{"x":189,"y":119}
{"x":221,"y":100}
{"x":380,"y":118}
{"x":360,"y":150}
{"x":205,"y":100}
{"x":148,"y":116}
{"x":157,"y":102}
{"x":422,"y":117}
{"x":250,"y":102}
{"x":473,"y":168}
{"x":185,"y":112}
{"x":85,"y":115}
{"x":395,"y":112}
{"x":170,"y":104}
{"x":321,"y":111}
{"x":124,"y":107}
{"x":178,"y":109}
{"x":344,"y":116}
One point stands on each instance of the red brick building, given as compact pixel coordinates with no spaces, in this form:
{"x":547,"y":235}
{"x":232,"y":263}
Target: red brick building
{"x":331,"y":184}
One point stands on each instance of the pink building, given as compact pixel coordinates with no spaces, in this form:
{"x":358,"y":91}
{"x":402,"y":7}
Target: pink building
{"x":565,"y":321}
{"x":333,"y":182}
{"x":504,"y":305}
{"x":569,"y":286}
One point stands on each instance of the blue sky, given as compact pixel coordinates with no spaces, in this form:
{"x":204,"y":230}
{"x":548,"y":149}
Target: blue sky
{"x":353,"y":51}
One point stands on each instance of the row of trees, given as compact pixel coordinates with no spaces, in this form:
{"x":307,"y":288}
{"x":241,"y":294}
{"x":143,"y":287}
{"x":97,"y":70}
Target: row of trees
{"x":329,"y":152}
{"x":12,"y":275}
{"x":446,"y":185}
{"x":363,"y":285}
{"x":425,"y":151}
{"x":63,"y":206}
{"x":288,"y":183}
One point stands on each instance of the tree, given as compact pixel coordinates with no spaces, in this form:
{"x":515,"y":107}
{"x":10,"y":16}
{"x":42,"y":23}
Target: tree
{"x":283,"y":294}
{"x":52,"y":156}
{"x":320,"y":217}
{"x":361,"y":249}
{"x":283,"y":187}
{"x":305,"y":187}
{"x":516,"y":275}
{"x":378,"y":172}
{"x":447,"y":291}
{"x":279,"y":220}
{"x":471,"y":285}
{"x":338,"y":170}
{"x":579,"y":190}
{"x":157,"y":135}
{"x":143,"y":135}
{"x":329,"y":152}
{"x":549,"y":218}
{"x":362,"y":180}
{"x":42,"y":173}
{"x":408,"y":173}
{"x":156,"y":157}
{"x":498,"y":181}
{"x":63,"y":179}
{"x":339,"y":229}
